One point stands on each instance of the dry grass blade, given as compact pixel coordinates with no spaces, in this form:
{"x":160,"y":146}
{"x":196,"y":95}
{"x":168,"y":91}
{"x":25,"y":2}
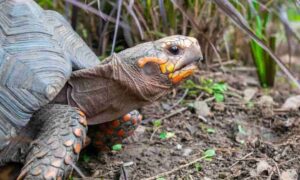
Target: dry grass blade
{"x":67,"y":9}
{"x":238,"y":19}
{"x":197,"y":27}
{"x":163,"y":14}
{"x":77,"y":169}
{"x":288,"y":33}
{"x":133,"y":15}
{"x":283,"y":18}
{"x":96,"y":12}
{"x":116,"y":26}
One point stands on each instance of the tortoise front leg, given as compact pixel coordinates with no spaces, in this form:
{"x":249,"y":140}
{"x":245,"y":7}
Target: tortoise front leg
{"x":58,"y":143}
{"x":105,"y":135}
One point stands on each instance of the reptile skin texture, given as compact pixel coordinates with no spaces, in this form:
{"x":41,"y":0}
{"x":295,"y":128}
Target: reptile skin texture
{"x":42,"y":45}
{"x":58,"y":144}
{"x":105,"y":135}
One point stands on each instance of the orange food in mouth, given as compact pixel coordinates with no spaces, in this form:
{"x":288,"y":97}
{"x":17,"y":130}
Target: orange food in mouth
{"x":178,"y":76}
{"x":167,"y":67}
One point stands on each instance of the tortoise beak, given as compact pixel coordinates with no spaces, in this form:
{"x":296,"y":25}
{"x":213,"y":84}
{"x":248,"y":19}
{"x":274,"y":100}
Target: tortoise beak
{"x":184,"y":69}
{"x":178,"y":69}
{"x":175,"y":71}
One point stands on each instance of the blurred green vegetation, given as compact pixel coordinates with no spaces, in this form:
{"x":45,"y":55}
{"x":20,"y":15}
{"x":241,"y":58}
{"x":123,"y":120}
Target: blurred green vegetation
{"x":145,"y":20}
{"x":259,"y":19}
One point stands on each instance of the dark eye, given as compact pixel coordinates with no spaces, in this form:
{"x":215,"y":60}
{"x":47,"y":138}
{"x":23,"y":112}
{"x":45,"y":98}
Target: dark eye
{"x":174,"y":50}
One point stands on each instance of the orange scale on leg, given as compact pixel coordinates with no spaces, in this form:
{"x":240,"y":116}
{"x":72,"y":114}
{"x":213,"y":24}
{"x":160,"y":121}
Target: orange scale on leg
{"x":121,"y":133}
{"x":115,"y":123}
{"x":127,"y":117}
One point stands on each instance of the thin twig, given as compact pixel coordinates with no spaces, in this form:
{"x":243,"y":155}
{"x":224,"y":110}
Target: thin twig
{"x":173,"y":113}
{"x":238,"y":160}
{"x":124,"y":175}
{"x":180,"y":100}
{"x":175,"y":169}
{"x":202,"y":118}
{"x":277,"y":168}
{"x":285,"y":162}
{"x":223,"y":63}
{"x":155,"y":130}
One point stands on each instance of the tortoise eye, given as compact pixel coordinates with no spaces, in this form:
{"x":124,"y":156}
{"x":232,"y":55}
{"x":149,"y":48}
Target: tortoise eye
{"x":174,"y":50}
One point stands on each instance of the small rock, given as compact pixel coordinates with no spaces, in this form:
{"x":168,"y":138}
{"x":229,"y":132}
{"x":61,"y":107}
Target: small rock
{"x":220,"y":106}
{"x":249,"y":93}
{"x":287,"y":123}
{"x":292,"y":103}
{"x":179,"y":146}
{"x":202,"y":108}
{"x":187,"y":152}
{"x":140,"y":130}
{"x":290,"y":174}
{"x":165,"y":106}
{"x":263,"y":167}
{"x":192,"y":129}
{"x":137,"y":135}
{"x":266,"y":101}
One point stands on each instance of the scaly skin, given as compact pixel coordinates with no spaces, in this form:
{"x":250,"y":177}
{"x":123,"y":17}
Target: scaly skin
{"x":58,"y":143}
{"x":105,"y":135}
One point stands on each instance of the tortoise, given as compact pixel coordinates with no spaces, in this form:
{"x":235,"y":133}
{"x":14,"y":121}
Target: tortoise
{"x":52,"y":86}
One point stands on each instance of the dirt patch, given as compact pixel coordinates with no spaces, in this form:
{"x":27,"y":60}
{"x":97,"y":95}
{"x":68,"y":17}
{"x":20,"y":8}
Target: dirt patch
{"x":252,"y":140}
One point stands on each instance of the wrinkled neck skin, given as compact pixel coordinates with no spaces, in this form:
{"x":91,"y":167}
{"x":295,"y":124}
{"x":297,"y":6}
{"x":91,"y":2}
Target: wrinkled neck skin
{"x":110,"y":90}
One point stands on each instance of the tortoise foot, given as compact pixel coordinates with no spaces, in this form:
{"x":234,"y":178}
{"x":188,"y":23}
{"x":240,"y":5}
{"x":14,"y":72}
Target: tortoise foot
{"x":105,"y":135}
{"x":55,"y":151}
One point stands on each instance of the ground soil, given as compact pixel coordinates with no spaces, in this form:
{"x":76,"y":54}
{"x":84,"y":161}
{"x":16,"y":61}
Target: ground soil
{"x":252,"y":141}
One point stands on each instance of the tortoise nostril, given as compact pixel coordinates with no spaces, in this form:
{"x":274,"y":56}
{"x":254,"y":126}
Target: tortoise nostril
{"x":202,"y":59}
{"x":199,"y":59}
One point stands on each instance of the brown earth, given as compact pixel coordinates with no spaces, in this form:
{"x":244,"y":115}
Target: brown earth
{"x":252,"y":140}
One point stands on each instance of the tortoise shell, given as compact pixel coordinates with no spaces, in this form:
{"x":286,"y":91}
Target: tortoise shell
{"x":38,"y":52}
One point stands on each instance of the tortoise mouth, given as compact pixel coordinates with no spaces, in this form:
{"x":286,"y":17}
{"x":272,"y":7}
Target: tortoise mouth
{"x":182,"y":73}
{"x":176,"y":72}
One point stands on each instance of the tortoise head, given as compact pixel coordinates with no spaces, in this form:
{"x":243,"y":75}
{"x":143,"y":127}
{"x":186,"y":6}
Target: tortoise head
{"x":166,"y":61}
{"x":133,"y":78}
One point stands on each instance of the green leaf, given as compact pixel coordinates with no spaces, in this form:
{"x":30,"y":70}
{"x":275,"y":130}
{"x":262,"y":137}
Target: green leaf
{"x":166,"y":135}
{"x":208,"y":159}
{"x":219,"y":97}
{"x":157,"y":123}
{"x":293,"y":14}
{"x":160,"y":178}
{"x":117,"y":147}
{"x":250,"y":104}
{"x":210,"y":130}
{"x":219,"y":87}
{"x":241,"y":130}
{"x":210,"y":153}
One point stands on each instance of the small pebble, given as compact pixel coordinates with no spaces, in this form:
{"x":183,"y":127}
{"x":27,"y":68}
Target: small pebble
{"x":179,"y":146}
{"x":187,"y":151}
